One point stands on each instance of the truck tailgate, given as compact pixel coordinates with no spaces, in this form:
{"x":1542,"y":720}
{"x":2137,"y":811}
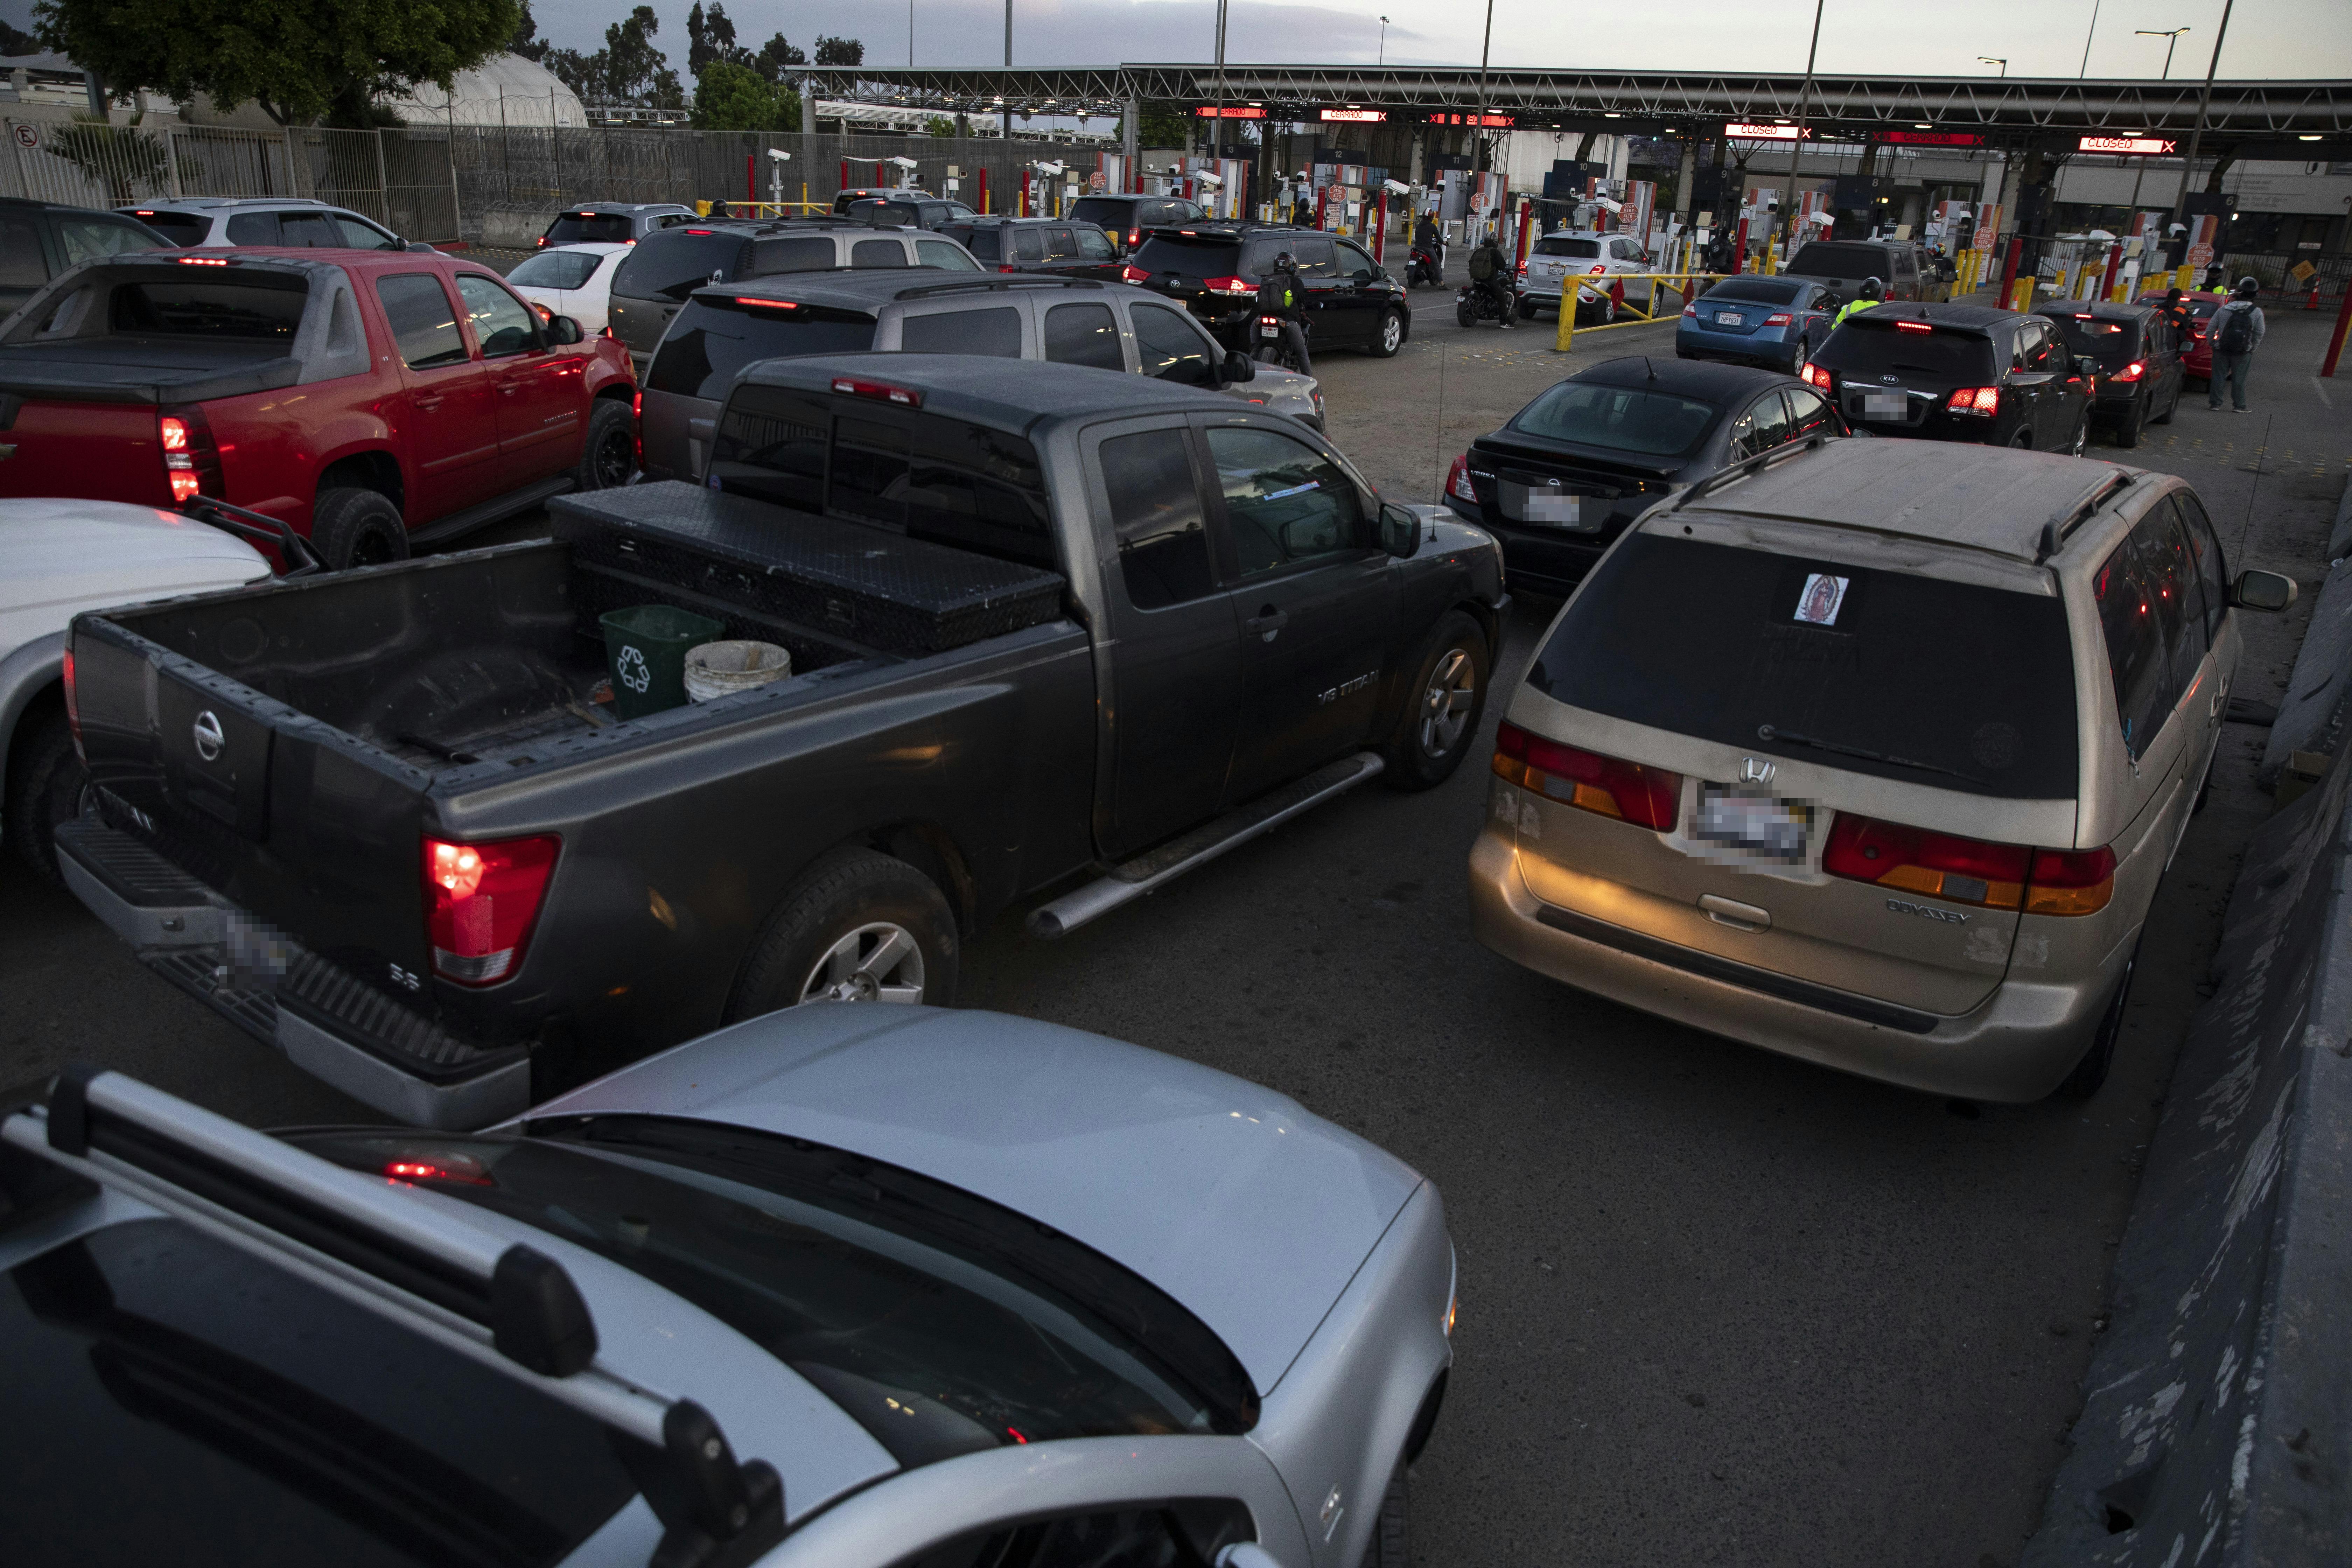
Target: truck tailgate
{"x":99,"y":452}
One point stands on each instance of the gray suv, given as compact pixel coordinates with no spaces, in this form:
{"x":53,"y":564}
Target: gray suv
{"x":664,"y":268}
{"x":264,"y":221}
{"x":720,"y":330}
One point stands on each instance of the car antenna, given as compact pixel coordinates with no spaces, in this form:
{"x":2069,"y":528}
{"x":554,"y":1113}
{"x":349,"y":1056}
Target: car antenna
{"x":1648,"y":366}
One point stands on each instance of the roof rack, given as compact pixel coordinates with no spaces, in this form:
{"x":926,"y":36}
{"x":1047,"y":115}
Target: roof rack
{"x":924,"y":291}
{"x":1746,"y":466}
{"x":419,"y":1268}
{"x":2054,"y":532}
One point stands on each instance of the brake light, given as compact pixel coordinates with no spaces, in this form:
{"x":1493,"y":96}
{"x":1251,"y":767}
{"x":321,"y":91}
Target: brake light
{"x":2131,"y":372}
{"x":1984,"y":400}
{"x":1814,"y":375}
{"x":540,"y":241}
{"x":637,"y":422}
{"x":1597,"y":269}
{"x":1134,"y":237}
{"x":192,"y":464}
{"x":1913,"y":327}
{"x":481,"y":901}
{"x":1008,"y":269}
{"x":1130,"y":273}
{"x":705,"y":231}
{"x":1457,"y":480}
{"x":440,"y":1165}
{"x":545,"y":315}
{"x":1940,"y":865}
{"x":2071,"y":882}
{"x":881,"y":390}
{"x":1780,"y":319}
{"x":1523,"y":270}
{"x":1229,"y":286}
{"x":200,"y":261}
{"x":73,"y":708}
{"x":768,"y":304}
{"x":1690,"y":309}
{"x":1633,"y":793}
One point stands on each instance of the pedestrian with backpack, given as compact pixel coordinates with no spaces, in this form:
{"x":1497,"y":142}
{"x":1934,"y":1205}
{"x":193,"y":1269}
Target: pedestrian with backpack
{"x":2237,"y":331}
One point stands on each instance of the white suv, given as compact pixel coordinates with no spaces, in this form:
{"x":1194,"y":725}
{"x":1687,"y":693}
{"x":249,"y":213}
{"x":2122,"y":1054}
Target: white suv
{"x":1542,"y":275}
{"x":263,"y":220}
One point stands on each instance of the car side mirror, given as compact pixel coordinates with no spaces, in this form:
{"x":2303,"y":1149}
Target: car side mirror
{"x":1236,"y":367}
{"x":2262,"y":591}
{"x":415,"y":245}
{"x":1400,"y":531}
{"x":564,"y":330}
{"x":2085,"y":365}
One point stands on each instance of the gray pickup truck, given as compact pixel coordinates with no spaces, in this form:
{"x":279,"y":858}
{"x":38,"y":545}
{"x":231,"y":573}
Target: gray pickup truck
{"x":1055,"y":631}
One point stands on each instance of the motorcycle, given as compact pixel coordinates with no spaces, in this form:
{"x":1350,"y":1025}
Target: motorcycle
{"x":1272,"y":345}
{"x":1425,"y":269}
{"x":1477,"y":304}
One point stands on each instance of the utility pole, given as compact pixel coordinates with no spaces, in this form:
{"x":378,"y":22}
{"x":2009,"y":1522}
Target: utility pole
{"x":2086,"y":40}
{"x":1796,"y":147}
{"x":1478,"y":130}
{"x":1384,"y":43}
{"x":2204,"y":106}
{"x":1008,"y":69}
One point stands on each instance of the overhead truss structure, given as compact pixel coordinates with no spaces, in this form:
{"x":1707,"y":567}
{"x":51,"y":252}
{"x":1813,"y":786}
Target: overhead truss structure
{"x":2014,"y":105}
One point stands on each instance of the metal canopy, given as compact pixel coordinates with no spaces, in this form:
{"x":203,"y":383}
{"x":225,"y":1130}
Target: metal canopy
{"x":2014,"y":104}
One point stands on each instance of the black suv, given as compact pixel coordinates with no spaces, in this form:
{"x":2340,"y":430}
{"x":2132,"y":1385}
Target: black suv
{"x":1125,"y":217}
{"x":1957,"y":373}
{"x":1052,"y":245}
{"x":912,"y":208}
{"x":1215,"y":268}
{"x":2139,"y":361}
{"x":1841,"y":265}
{"x":40,"y":240}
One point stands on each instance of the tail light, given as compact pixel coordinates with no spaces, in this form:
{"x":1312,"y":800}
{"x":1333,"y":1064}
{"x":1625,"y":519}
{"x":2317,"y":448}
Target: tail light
{"x":1913,"y":327}
{"x":1631,"y":792}
{"x":192,"y":463}
{"x":637,"y":422}
{"x":481,"y":901}
{"x":2131,"y":372}
{"x":1457,"y":482}
{"x":1690,"y":309}
{"x":1969,"y":871}
{"x":1523,"y":270}
{"x":767,"y":304}
{"x":1597,"y":269}
{"x":1008,"y":269}
{"x":73,"y":708}
{"x":1814,"y":375}
{"x":1229,"y":286}
{"x":881,"y":391}
{"x":1984,"y":400}
{"x":1134,"y":237}
{"x":545,"y":315}
{"x":1131,"y":273}
{"x":541,"y":242}
{"x":1779,"y":319}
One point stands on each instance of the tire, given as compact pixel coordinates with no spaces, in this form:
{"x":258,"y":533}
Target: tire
{"x":2100,"y":1059}
{"x":1391,"y":1542}
{"x":2024,"y":440}
{"x":357,"y":528}
{"x":609,"y":456}
{"x":1803,"y":357}
{"x":821,"y":943}
{"x":2128,"y":433}
{"x":1466,"y":313}
{"x":1527,"y":310}
{"x":44,"y":785}
{"x":2082,"y":441}
{"x":1390,"y":337}
{"x":1442,"y":707}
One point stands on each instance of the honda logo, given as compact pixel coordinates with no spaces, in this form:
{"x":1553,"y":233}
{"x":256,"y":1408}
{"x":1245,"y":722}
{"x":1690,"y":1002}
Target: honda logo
{"x":209,"y":739}
{"x":1757,"y":769}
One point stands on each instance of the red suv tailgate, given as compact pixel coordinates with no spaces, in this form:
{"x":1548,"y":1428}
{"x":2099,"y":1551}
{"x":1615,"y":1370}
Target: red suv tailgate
{"x":99,"y":452}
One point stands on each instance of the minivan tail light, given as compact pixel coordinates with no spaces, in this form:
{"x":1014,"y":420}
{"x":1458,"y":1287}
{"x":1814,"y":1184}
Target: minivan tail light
{"x":1229,"y":286}
{"x":1131,"y":273}
{"x":1633,"y":793}
{"x":2071,"y":882}
{"x":2131,"y":372}
{"x":1916,"y":860}
{"x":481,"y":901}
{"x":1457,"y":480}
{"x":1978,"y":400}
{"x":192,"y":464}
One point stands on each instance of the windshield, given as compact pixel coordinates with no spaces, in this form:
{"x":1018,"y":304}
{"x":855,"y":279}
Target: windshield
{"x":710,"y":343}
{"x":939,"y":1321}
{"x":1866,"y":347}
{"x":675,"y":263}
{"x":1582,"y":250}
{"x":1109,"y":211}
{"x":1761,"y":291}
{"x":1196,"y":256}
{"x":556,"y":269}
{"x":1855,"y":261}
{"x":594,"y":228}
{"x":2114,"y":345}
{"x":1620,"y":418}
{"x":1972,"y":686}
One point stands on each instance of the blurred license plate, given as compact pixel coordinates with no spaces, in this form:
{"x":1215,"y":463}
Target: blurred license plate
{"x":1545,"y":507}
{"x":1759,"y":823}
{"x":1268,"y":329}
{"x":1884,"y":405}
{"x":1729,"y":319}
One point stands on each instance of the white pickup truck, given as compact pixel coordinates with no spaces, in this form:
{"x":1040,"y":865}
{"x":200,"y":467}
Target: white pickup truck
{"x":58,"y":558}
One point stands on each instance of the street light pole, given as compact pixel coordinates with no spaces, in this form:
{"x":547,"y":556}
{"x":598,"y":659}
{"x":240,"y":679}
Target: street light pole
{"x":1008,"y":69}
{"x":2170,"y":38}
{"x":1995,"y":61}
{"x":2086,"y":40}
{"x":1796,"y":147}
{"x":1384,"y":43}
{"x":1477,"y":137}
{"x":2204,"y":106}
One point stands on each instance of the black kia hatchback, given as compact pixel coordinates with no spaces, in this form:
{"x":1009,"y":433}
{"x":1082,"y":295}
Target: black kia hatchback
{"x":1564,"y":475}
{"x":1958,"y":373}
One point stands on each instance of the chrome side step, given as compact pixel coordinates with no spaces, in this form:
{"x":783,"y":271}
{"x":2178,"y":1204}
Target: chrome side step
{"x":1133,"y":878}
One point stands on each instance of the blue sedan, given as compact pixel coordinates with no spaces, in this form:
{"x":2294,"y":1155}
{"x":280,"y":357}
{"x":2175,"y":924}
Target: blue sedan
{"x":1775,"y":322}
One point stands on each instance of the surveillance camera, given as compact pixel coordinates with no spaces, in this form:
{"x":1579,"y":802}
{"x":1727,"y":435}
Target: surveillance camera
{"x":779,"y":155}
{"x":1210,"y":180}
{"x":904,"y":163}
{"x":1396,"y":188}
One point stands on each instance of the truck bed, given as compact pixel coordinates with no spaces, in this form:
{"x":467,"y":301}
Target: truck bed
{"x":126,"y":369}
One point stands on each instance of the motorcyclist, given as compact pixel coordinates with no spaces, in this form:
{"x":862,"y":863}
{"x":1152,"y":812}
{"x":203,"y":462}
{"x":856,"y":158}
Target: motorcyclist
{"x":1281,"y":294}
{"x":1869,"y":297}
{"x":1490,"y":274}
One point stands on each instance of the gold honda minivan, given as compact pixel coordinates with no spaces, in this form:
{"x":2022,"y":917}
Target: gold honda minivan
{"x":1872,"y":753}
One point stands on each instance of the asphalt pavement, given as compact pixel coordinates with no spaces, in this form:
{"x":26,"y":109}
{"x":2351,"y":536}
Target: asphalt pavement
{"x":1717,"y":1307}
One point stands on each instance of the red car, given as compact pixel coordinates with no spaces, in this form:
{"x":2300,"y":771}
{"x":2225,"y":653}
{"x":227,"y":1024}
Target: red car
{"x":370,"y":399}
{"x":2197,"y":347}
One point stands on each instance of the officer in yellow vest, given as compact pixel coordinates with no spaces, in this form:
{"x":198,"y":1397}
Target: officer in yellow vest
{"x":1867,"y":297}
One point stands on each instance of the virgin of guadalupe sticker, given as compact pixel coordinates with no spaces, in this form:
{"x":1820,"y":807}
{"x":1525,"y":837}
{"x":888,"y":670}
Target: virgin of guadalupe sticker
{"x":1818,"y":604}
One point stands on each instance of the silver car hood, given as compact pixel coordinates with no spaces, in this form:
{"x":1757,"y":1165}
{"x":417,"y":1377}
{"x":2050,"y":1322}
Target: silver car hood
{"x":1232,"y":1198}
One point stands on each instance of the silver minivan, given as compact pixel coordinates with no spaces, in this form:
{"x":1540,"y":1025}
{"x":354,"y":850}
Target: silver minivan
{"x":1065,"y":321}
{"x":1872,"y":752}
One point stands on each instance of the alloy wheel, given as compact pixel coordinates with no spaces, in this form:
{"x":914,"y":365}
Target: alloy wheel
{"x":1446,"y":706}
{"x":879,"y":961}
{"x":1392,"y":332}
{"x":2082,"y":437}
{"x":1797,"y":366}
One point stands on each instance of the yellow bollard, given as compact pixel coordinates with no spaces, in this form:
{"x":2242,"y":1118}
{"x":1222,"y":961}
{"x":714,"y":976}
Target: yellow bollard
{"x":2021,"y":295}
{"x":1565,"y":337}
{"x":702,"y":209}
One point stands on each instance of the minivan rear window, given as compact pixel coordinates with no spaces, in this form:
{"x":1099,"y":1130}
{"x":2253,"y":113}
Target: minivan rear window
{"x":676,"y":262}
{"x":1196,"y":256}
{"x":710,"y":343}
{"x":180,"y":228}
{"x":2113,"y":344}
{"x":1953,"y":685}
{"x":1582,"y":250}
{"x":590,"y":228}
{"x":1855,"y":261}
{"x":1864,"y":347}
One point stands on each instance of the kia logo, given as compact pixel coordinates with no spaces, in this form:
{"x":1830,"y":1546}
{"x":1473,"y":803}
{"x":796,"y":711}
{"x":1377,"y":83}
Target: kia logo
{"x":1752,"y":770}
{"x":1888,"y":380}
{"x":209,"y":739}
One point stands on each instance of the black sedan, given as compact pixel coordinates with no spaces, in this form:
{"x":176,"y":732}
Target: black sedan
{"x":1564,"y":475}
{"x":1958,"y":373}
{"x":2139,"y":373}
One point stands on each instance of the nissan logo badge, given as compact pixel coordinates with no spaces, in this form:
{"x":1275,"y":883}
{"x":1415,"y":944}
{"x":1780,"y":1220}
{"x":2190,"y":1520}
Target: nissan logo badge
{"x":1752,"y":770}
{"x":209,"y":739}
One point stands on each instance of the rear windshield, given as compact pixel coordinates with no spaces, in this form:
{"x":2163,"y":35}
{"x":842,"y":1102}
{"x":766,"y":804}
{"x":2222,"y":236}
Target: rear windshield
{"x":939,"y":1321}
{"x":1762,"y":291}
{"x":592,"y":229}
{"x":1109,"y":211}
{"x":556,"y":269}
{"x":708,"y":343}
{"x":245,"y":311}
{"x":1946,"y":684}
{"x":1867,"y":347}
{"x":1857,"y":261}
{"x":981,"y":242}
{"x":676,"y":262}
{"x":1582,"y":250}
{"x":1196,"y":256}
{"x":2114,"y":345}
{"x":1620,"y":418}
{"x":180,"y":228}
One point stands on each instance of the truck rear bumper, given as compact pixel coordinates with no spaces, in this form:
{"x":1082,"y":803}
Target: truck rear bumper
{"x":326,"y":1022}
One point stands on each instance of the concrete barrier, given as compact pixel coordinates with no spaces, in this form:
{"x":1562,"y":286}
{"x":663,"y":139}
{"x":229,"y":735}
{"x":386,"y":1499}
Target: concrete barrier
{"x":2216,"y":1418}
{"x":2311,"y":714}
{"x":514,"y":230}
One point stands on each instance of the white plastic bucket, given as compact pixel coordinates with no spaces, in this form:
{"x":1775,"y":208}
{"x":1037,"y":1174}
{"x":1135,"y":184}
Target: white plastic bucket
{"x":715,"y":670}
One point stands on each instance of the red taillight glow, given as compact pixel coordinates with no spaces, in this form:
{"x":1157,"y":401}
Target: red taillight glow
{"x":2071,"y":882}
{"x":1633,"y":793}
{"x":767,"y":304}
{"x":1975,"y":400}
{"x":1969,"y":871}
{"x":540,"y":241}
{"x":1913,"y":327}
{"x":1814,"y":375}
{"x":1134,"y":237}
{"x":1229,"y":286}
{"x":1130,"y":273}
{"x":1778,"y":319}
{"x":1690,"y":309}
{"x":2131,"y":372}
{"x":1597,"y":269}
{"x":1003,"y":269}
{"x":73,"y":708}
{"x":192,"y":463}
{"x":200,"y":261}
{"x":1457,"y":480}
{"x":482,"y":900}
{"x":882,"y":390}
{"x":637,"y":424}
{"x":440,"y":1165}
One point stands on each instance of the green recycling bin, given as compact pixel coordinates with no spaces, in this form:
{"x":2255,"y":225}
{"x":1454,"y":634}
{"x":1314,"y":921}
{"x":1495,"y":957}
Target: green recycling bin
{"x":645,"y":647}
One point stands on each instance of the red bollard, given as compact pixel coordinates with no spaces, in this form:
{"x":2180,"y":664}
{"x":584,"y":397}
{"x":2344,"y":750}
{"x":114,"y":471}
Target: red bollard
{"x":2114,"y":265}
{"x":2009,"y":272}
{"x":751,"y":177}
{"x":2336,"y":338}
{"x":1380,"y":233}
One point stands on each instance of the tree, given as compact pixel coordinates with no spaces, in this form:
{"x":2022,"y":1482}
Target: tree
{"x":774,"y":56}
{"x":710,"y":37}
{"x":731,"y":97}
{"x":301,"y":60}
{"x":832,"y":51}
{"x":938,"y":126}
{"x":13,"y":42}
{"x":526,"y":41}
{"x":1160,"y":125}
{"x":630,"y":70}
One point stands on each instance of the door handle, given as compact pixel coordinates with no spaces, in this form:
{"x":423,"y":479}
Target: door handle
{"x":428,"y":404}
{"x":1267,"y":622}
